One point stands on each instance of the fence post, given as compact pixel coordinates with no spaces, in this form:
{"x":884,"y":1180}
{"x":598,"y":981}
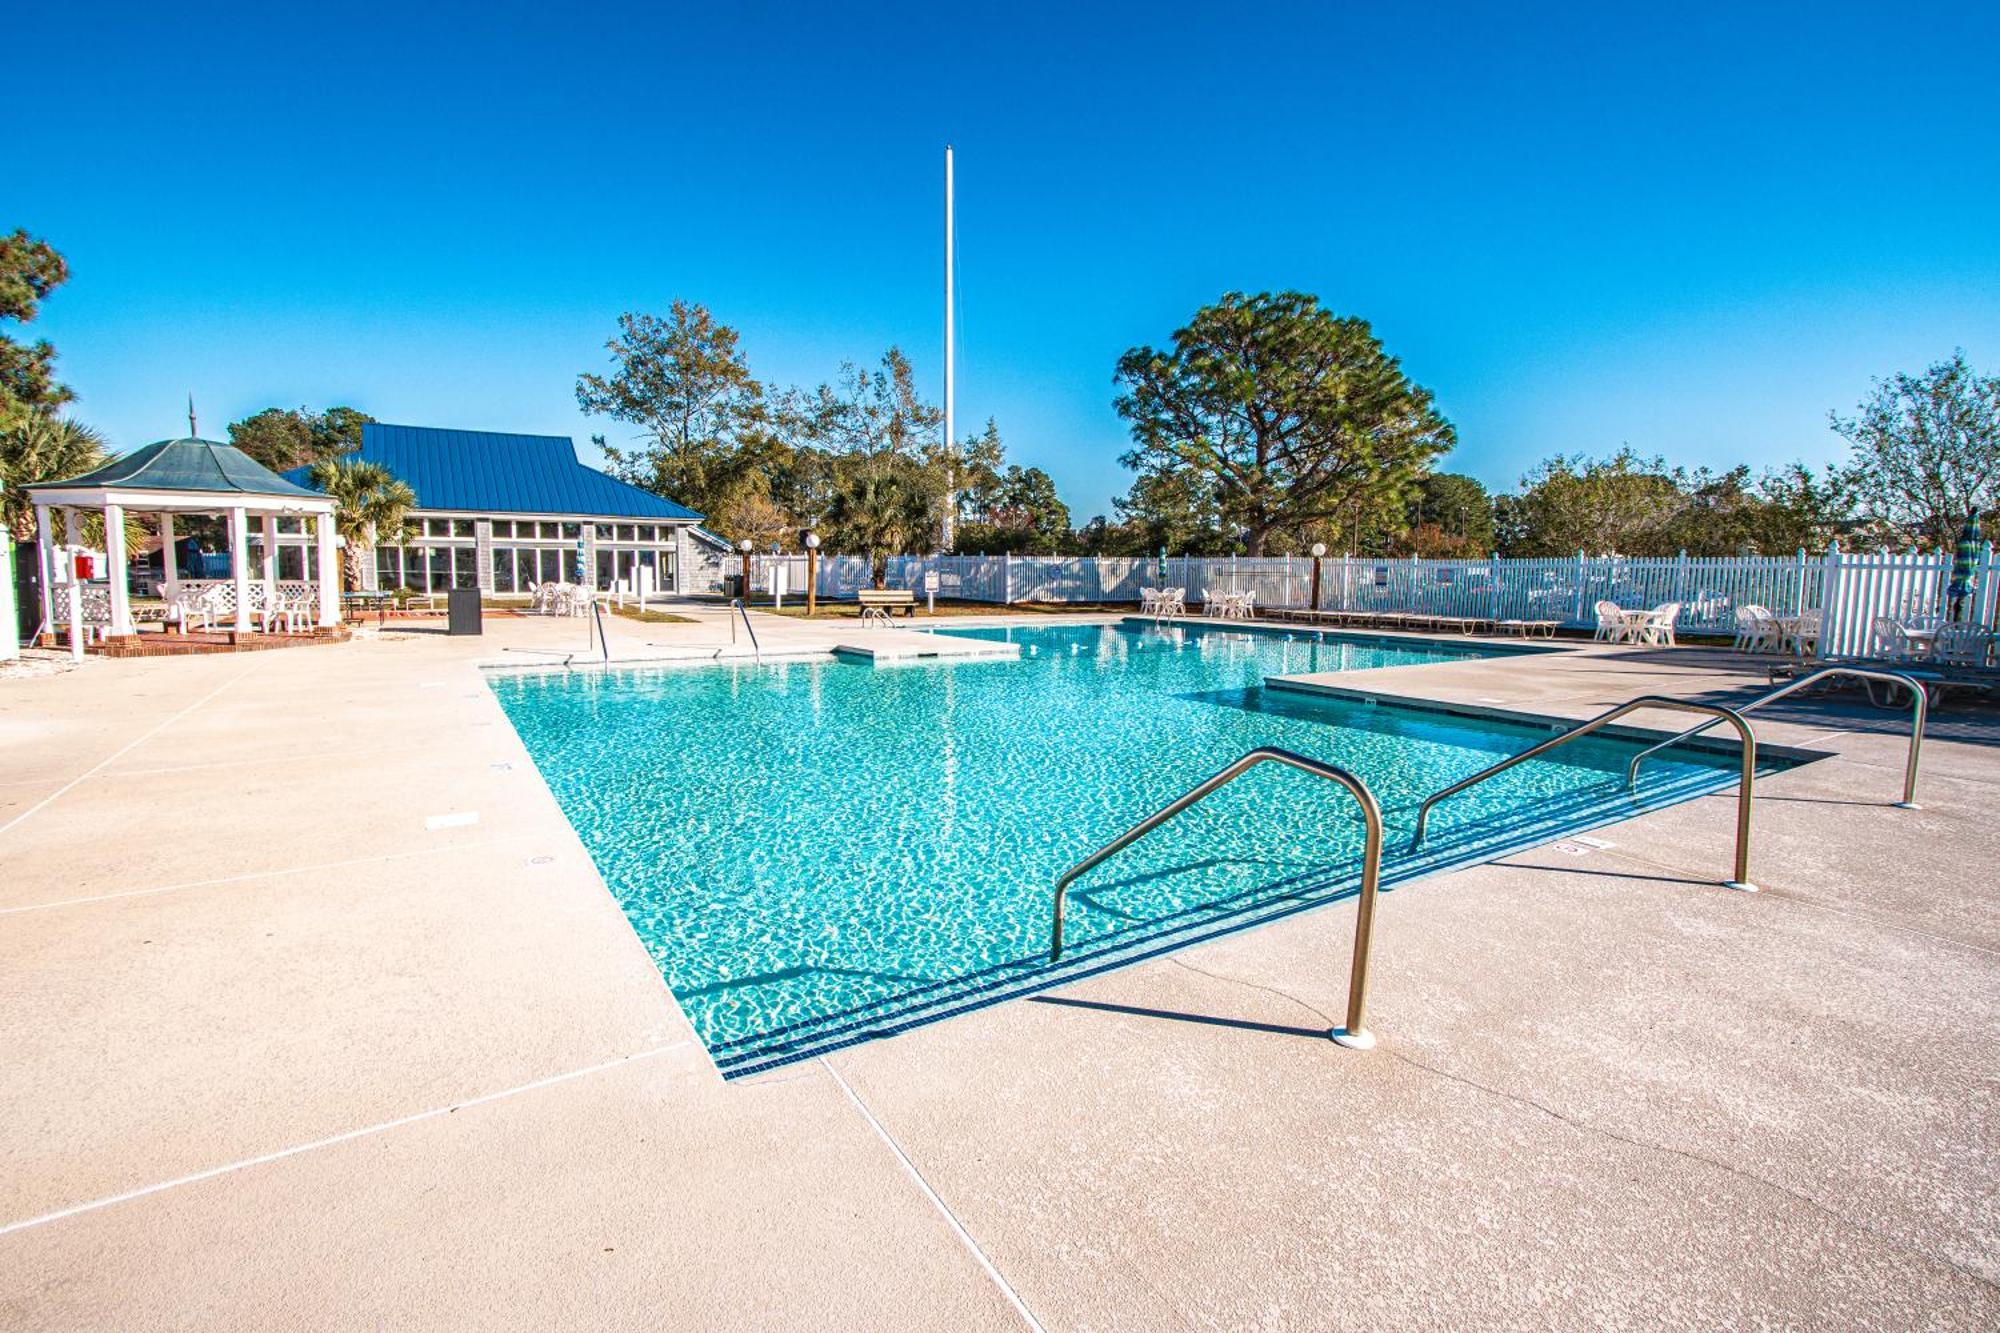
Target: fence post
{"x":1006,"y":580}
{"x":1799,"y":589}
{"x":1833,"y":611}
{"x":1982,"y":588}
{"x":1581,"y":591}
{"x":1681,"y":578}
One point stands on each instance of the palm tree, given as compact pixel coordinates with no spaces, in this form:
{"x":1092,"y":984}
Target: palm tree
{"x":43,"y":447}
{"x":370,"y":505}
{"x":881,"y":511}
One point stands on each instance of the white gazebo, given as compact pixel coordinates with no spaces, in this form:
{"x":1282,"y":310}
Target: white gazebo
{"x":190,"y":476}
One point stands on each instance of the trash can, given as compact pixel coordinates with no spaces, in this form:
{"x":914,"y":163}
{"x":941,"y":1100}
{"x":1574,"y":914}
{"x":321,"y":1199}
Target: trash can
{"x":462,"y":604}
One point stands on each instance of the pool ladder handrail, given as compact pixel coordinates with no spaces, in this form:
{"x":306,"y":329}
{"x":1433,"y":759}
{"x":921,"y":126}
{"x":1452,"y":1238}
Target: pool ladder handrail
{"x":756,"y":650}
{"x":1746,"y":792}
{"x":1919,"y":712}
{"x":1355,"y":1032}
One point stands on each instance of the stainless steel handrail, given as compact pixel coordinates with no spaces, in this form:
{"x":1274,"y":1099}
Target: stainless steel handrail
{"x":1919,"y":711}
{"x":744,"y":611}
{"x":603,"y":643}
{"x":1355,"y":1033}
{"x":1746,"y":790}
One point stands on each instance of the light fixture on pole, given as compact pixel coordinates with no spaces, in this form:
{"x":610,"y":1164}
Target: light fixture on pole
{"x":812,"y":574}
{"x":744,"y":546}
{"x":1318,"y":551}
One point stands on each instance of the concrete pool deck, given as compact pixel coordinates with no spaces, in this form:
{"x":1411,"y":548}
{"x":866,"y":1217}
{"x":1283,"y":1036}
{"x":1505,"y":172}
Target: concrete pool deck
{"x":319,"y":1016}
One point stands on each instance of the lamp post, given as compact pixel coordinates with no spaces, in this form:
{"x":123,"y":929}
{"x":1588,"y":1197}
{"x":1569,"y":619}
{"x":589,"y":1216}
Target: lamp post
{"x":744,"y":546}
{"x":812,"y":574}
{"x":1318,"y":551}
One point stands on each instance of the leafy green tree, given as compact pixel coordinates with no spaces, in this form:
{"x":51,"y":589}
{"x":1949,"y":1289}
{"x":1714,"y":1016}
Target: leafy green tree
{"x":1622,"y":504}
{"x":1450,"y":511}
{"x":884,"y":508}
{"x":1015,"y":512}
{"x":1170,"y":511}
{"x":30,"y":269}
{"x":282,"y":439}
{"x":1639,"y":506}
{"x":371,"y":506}
{"x":1803,"y":511}
{"x":686,"y":384}
{"x":1926,"y":451}
{"x":42,"y":447}
{"x":1290,"y":414}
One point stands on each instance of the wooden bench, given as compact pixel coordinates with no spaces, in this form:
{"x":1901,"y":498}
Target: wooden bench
{"x":880,"y":603}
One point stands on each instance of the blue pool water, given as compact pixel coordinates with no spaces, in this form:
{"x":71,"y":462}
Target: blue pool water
{"x":818,"y":852}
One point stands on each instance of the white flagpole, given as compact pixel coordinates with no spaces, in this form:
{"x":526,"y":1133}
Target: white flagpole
{"x":950,"y":379}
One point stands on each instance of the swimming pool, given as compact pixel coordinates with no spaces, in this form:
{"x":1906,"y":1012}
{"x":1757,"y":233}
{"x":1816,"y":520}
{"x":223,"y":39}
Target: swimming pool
{"x":817,"y":852}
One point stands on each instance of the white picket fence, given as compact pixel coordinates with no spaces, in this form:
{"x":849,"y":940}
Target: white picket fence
{"x":1850,"y":589}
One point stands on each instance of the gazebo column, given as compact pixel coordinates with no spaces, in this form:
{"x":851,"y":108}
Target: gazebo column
{"x":114,"y":556}
{"x":170,"y":566}
{"x":270,"y":558}
{"x":329,"y":571}
{"x":239,"y":564}
{"x":45,"y":551}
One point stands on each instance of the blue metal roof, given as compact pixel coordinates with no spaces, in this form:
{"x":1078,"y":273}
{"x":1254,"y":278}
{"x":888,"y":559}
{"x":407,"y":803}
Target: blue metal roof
{"x":489,"y":472}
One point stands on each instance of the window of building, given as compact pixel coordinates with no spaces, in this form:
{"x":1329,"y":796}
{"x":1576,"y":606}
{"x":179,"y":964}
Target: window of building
{"x":388,"y":568}
{"x":464,"y":567}
{"x":572,"y":530}
{"x":503,"y":569}
{"x":551,"y":565}
{"x":604,"y":532}
{"x":645,"y":532}
{"x":503,"y":527}
{"x":461,"y":527}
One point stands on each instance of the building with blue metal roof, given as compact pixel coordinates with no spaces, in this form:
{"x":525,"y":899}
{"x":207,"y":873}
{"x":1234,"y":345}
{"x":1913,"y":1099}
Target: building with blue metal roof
{"x":502,"y":512}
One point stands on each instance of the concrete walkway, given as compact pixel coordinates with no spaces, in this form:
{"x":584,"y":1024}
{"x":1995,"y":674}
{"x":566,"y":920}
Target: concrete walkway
{"x":319,"y":1016}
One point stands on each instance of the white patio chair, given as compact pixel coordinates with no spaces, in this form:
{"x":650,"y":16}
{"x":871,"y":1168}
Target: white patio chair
{"x":1756,"y":632}
{"x":290,"y":611}
{"x":1961,"y":644}
{"x":1659,"y":626}
{"x":1610,"y":623}
{"x":1241,"y":606}
{"x":1803,"y":637}
{"x":1893,"y":641}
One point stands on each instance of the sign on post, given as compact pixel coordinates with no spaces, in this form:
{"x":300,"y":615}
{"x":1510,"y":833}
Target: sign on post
{"x":930,"y":592}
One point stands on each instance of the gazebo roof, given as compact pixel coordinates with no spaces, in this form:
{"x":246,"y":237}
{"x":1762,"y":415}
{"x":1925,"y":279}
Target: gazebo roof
{"x":207,"y":466}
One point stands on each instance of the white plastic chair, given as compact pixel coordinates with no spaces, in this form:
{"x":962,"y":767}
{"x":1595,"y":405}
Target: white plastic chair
{"x":1803,"y":637}
{"x":1893,"y":641}
{"x":1755,"y":630}
{"x":1610,"y":623}
{"x":290,"y":611}
{"x":1962,"y":644}
{"x":1659,"y":626}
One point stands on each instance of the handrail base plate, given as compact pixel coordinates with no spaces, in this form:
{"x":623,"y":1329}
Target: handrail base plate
{"x":1363,"y":1040}
{"x":1740,"y":885}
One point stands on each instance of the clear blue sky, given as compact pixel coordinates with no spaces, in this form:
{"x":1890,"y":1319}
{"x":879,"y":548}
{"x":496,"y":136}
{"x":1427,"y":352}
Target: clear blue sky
{"x":1581,"y":226}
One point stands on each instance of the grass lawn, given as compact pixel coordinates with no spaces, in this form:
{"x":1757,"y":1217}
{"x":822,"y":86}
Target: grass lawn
{"x":652,"y":617}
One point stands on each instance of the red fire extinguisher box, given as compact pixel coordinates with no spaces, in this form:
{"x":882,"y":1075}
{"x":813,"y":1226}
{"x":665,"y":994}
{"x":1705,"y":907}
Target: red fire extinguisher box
{"x":86,"y":566}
